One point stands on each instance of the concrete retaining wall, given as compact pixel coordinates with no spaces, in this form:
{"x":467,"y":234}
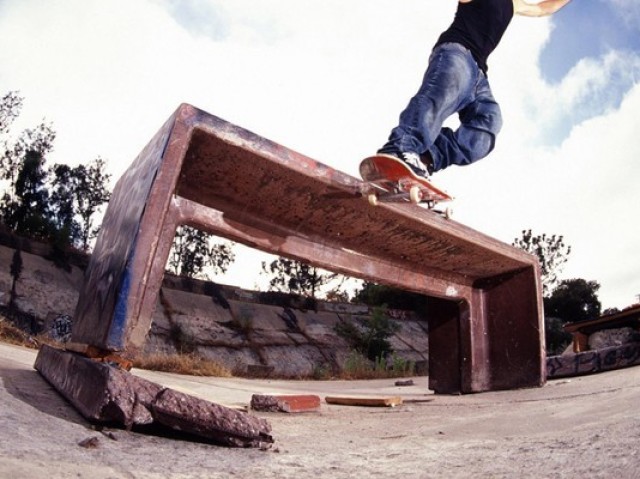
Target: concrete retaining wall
{"x":249,"y":332}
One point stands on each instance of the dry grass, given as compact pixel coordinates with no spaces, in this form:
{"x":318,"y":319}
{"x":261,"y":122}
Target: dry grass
{"x":356,"y":367}
{"x":188,"y":364}
{"x":12,"y":335}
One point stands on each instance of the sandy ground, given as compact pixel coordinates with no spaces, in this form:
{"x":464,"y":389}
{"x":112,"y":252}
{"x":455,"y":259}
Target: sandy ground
{"x":583,"y":427}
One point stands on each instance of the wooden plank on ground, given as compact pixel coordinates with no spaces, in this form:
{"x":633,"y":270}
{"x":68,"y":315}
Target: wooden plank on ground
{"x":380,"y":401}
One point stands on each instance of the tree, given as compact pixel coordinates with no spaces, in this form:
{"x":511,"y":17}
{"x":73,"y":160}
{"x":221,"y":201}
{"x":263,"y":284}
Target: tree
{"x":56,"y":204}
{"x":373,"y":294}
{"x":337,"y":295}
{"x":371,"y":337}
{"x":10,"y":108}
{"x":24,"y":206}
{"x":556,"y":338}
{"x":552,"y":253}
{"x":191,"y":253}
{"x":33,"y":142}
{"x":62,"y":203}
{"x":76,"y":195}
{"x":295,"y":277}
{"x":16,"y":271}
{"x":28,"y":212}
{"x":573,"y":300}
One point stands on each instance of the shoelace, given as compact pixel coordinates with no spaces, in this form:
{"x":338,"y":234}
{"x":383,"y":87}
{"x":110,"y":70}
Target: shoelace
{"x":413,"y":160}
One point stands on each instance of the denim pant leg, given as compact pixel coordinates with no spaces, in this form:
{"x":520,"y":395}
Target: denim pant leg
{"x":449,"y":80}
{"x":480,"y":123}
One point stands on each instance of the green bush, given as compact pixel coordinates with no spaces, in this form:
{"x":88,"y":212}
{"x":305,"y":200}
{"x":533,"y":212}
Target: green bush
{"x":370,"y":337}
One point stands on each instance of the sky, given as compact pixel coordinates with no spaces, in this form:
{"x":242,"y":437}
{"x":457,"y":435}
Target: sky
{"x":329,"y":79}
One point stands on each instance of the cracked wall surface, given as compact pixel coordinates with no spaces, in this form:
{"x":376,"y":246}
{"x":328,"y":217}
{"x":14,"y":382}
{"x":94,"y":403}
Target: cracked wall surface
{"x":230,"y":325}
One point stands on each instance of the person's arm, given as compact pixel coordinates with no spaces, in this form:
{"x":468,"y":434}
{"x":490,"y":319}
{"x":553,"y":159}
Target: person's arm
{"x":541,"y":9}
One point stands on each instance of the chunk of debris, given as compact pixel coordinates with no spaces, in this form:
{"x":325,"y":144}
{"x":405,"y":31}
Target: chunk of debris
{"x":408,"y":382}
{"x":108,"y":394}
{"x":90,"y":443}
{"x":293,"y":403}
{"x":219,"y":423}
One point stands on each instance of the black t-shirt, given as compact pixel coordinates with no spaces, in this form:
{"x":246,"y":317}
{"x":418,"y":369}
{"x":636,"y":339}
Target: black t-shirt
{"x":479,"y":26}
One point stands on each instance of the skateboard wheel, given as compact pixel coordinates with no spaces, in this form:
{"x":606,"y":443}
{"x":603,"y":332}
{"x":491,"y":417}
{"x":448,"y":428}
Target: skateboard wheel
{"x":448,"y":213}
{"x":415,"y":195}
{"x":373,"y":199}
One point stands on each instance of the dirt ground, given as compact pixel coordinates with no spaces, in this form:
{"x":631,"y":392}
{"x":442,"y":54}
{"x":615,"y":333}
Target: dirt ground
{"x":582,"y":427}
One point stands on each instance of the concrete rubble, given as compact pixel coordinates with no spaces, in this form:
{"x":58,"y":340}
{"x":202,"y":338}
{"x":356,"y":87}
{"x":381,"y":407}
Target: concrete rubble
{"x":103,"y":393}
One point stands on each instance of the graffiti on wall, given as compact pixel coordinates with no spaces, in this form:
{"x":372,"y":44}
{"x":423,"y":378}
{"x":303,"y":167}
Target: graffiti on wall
{"x":593,"y":361}
{"x":61,"y":328}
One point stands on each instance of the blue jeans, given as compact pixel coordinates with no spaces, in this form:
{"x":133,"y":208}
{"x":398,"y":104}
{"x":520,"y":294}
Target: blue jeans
{"x":453,"y":83}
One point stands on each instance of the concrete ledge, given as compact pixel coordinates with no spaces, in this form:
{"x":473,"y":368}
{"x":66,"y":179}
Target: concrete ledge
{"x":486,"y":329}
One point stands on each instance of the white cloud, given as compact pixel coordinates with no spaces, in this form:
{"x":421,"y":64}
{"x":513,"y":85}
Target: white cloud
{"x":585,"y":189}
{"x":110,"y":72}
{"x":198,"y":17}
{"x":628,"y":11}
{"x":92,"y":70}
{"x":594,"y":86}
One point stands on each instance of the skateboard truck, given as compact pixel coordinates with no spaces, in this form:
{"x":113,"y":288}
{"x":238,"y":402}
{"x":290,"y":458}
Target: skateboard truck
{"x":389,"y":179}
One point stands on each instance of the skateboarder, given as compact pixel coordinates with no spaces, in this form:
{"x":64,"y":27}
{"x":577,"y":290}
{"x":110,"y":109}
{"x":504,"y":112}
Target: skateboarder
{"x":456,"y":82}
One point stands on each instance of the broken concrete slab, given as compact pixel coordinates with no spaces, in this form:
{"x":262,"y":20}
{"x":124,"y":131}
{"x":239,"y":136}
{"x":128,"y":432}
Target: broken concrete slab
{"x":104,"y":393}
{"x":290,"y":403}
{"x":213,"y":421}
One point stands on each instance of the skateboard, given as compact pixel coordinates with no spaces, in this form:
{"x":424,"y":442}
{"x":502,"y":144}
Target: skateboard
{"x":389,"y":179}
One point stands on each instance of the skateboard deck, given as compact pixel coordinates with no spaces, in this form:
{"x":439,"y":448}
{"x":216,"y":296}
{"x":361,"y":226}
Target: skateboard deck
{"x":389,"y":179}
